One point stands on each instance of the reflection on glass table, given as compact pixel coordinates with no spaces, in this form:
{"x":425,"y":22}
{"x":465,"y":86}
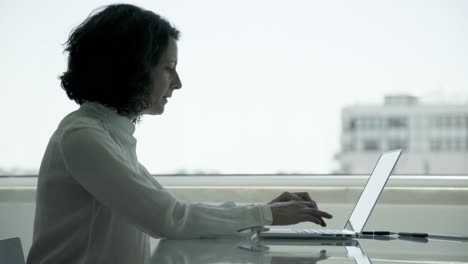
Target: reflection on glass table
{"x":364,"y":250}
{"x":248,"y":251}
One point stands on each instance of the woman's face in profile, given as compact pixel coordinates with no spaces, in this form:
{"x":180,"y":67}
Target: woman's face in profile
{"x":164,"y":79}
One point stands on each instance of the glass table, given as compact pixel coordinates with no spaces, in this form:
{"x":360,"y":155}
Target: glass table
{"x":287,"y":251}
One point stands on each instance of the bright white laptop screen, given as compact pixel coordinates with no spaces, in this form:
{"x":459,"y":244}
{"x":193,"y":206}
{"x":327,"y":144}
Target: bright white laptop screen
{"x":372,"y":191}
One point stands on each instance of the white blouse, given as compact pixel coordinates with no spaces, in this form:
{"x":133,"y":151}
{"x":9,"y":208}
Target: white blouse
{"x":96,"y":203}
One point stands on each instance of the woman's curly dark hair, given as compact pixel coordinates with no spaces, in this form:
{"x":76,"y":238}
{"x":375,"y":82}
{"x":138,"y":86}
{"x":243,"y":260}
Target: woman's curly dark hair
{"x":111,"y":55}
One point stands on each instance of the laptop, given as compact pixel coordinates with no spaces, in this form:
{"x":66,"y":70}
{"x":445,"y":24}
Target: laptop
{"x":361,"y":212}
{"x":307,"y":242}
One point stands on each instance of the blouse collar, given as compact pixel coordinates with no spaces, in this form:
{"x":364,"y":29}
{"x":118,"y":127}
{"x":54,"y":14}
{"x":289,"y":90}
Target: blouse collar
{"x":109,"y":115}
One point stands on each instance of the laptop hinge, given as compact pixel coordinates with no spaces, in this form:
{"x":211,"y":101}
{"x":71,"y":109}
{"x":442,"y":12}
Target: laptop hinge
{"x":349,"y":226}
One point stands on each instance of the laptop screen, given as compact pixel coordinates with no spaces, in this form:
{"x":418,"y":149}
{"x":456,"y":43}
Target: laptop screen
{"x":373,"y":189}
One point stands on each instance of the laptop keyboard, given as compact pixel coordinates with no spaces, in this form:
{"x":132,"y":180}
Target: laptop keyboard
{"x":323,"y":232}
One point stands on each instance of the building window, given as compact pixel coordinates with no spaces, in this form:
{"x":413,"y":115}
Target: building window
{"x":457,"y":144}
{"x":361,"y":123}
{"x":448,"y":144}
{"x":351,"y":125}
{"x":436,"y":122}
{"x":371,"y":145}
{"x":349,"y":146}
{"x":455,"y":121}
{"x":397,"y":122}
{"x":397,"y":143}
{"x":370,"y":123}
{"x":435,"y":145}
{"x":376,"y":123}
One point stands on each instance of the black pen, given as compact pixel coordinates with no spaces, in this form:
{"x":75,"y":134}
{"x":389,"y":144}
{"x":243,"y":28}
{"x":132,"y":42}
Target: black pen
{"x":433,"y":236}
{"x":413,"y":234}
{"x":378,"y":233}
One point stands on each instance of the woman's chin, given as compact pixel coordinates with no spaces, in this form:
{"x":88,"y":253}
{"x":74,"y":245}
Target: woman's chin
{"x":155,"y":110}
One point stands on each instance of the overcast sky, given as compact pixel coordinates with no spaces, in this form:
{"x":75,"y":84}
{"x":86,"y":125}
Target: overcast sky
{"x":263,"y":81}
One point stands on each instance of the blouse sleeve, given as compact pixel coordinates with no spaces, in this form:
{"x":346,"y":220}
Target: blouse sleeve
{"x":93,"y":160}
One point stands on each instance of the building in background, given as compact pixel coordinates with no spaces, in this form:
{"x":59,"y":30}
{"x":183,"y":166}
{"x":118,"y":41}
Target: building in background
{"x":434,"y":136}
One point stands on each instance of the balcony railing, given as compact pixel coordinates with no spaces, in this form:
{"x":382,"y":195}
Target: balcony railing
{"x":414,"y":203}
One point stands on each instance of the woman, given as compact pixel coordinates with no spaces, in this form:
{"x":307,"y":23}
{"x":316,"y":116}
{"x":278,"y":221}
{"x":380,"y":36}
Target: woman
{"x":95,"y":202}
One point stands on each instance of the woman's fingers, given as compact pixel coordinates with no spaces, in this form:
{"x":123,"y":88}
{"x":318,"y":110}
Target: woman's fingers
{"x":310,"y":204}
{"x":286,"y":197}
{"x":317,"y":214}
{"x":304,"y":196}
{"x":293,"y":212}
{"x":297,"y":196}
{"x":291,"y":197}
{"x":311,"y":218}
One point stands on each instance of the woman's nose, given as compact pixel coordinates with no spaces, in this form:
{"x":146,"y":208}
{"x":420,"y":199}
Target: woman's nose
{"x":177,"y":82}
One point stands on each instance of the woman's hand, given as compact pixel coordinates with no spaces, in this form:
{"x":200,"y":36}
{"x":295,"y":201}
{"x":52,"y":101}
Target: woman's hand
{"x":292,"y":208}
{"x":297,"y":196}
{"x":293,"y":212}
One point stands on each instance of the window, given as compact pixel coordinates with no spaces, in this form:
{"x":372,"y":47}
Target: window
{"x":349,"y":146}
{"x":264,"y":106}
{"x":371,"y":145}
{"x":453,"y":145}
{"x":266,"y":87}
{"x":398,"y":144}
{"x":458,"y":144}
{"x":436,"y":145}
{"x":449,"y":121}
{"x":352,"y":125}
{"x":397,"y":122}
{"x":458,"y":121}
{"x":369,"y":123}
